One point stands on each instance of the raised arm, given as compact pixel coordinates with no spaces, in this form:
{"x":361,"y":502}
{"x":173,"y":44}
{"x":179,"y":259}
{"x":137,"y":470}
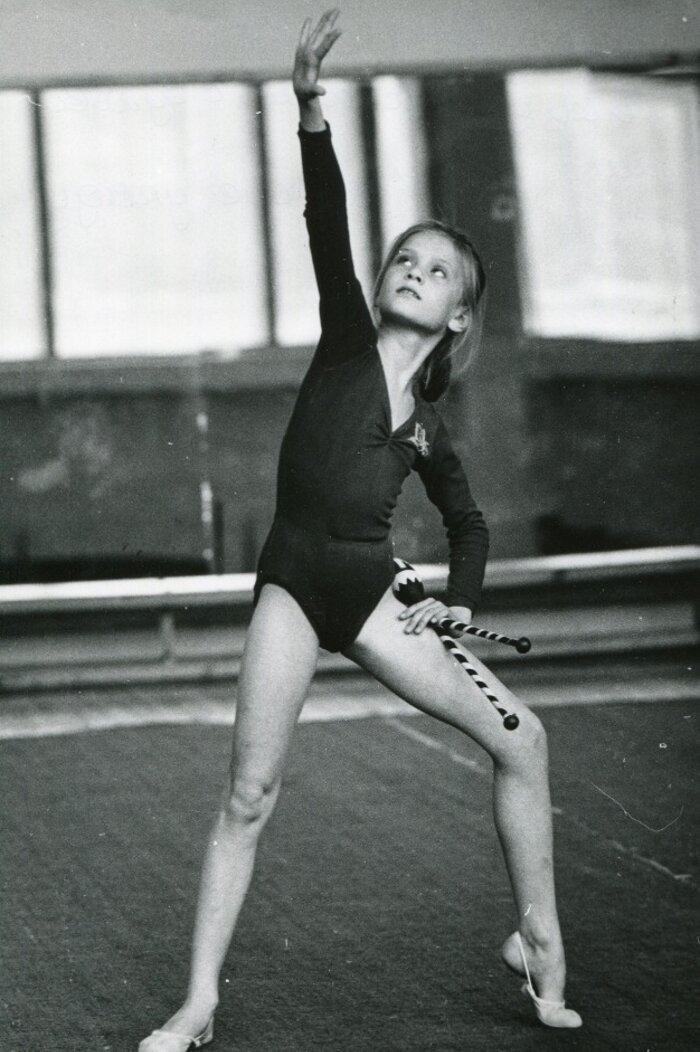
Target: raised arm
{"x":347,"y":327}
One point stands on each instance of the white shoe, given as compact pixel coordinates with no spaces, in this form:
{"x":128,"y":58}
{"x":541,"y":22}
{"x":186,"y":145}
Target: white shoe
{"x":170,"y":1041}
{"x":551,"y":1013}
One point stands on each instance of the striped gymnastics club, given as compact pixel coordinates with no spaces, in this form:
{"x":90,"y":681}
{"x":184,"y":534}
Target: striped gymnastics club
{"x":408,"y":588}
{"x":449,"y":624}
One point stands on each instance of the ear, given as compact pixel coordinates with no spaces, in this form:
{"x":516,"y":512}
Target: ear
{"x":460,"y":320}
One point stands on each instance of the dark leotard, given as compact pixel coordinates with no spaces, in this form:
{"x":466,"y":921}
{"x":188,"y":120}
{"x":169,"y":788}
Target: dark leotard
{"x":341,"y":465}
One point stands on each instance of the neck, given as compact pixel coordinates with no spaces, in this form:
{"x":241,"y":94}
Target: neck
{"x":403,"y":351}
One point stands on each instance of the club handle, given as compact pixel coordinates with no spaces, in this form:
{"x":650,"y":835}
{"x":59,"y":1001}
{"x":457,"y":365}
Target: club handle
{"x":509,"y":719}
{"x":522,"y":645}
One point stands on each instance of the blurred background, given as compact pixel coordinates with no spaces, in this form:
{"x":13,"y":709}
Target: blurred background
{"x":157,"y":306}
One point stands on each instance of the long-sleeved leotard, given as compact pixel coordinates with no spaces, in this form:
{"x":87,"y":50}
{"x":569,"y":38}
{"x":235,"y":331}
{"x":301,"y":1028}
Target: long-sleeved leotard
{"x":341,"y":465}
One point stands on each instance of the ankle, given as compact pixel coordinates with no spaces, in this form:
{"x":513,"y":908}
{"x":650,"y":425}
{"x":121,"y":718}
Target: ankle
{"x":539,"y":939}
{"x":200,"y":1005}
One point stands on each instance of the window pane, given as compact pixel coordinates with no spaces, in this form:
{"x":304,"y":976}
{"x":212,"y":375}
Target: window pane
{"x":155,"y":219}
{"x":608,"y":172}
{"x":21,"y":324}
{"x":401,"y":154}
{"x":296,"y":298}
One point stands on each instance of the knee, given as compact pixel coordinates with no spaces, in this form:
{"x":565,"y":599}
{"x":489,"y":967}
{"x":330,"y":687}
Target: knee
{"x":248,"y":801}
{"x":528,"y":749}
{"x":536,"y":737}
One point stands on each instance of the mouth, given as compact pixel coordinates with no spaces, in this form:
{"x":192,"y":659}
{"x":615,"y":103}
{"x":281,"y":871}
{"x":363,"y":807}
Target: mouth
{"x":404,"y":290}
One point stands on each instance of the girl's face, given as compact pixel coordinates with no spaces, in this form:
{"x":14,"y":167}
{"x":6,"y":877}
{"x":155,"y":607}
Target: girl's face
{"x":424,"y":285}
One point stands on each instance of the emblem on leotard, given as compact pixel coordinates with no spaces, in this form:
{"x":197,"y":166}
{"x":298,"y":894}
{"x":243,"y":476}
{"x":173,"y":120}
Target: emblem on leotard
{"x":420,"y":441}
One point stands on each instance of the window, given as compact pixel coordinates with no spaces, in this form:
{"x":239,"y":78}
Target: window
{"x":21,"y":326}
{"x":608,"y":172}
{"x":162,"y":231}
{"x":156,"y":248}
{"x":401,"y":154}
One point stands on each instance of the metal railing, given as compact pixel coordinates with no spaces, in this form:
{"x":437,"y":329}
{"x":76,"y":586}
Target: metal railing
{"x":69,"y":633}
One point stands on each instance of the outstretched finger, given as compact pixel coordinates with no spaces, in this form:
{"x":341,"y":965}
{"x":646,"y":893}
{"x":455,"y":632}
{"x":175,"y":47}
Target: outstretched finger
{"x":431,"y":616}
{"x":418,"y":621}
{"x":420,"y":615}
{"x":414,"y":608}
{"x":305,"y":33}
{"x":327,"y":43}
{"x":325,"y":22}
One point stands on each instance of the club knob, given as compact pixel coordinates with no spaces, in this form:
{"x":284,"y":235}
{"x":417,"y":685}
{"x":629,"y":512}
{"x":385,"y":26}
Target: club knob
{"x":407,"y":585}
{"x":511,"y":722}
{"x":523,"y":645}
{"x":409,"y":592}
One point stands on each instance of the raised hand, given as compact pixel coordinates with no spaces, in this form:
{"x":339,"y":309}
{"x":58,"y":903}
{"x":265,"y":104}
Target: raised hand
{"x":314,"y":44}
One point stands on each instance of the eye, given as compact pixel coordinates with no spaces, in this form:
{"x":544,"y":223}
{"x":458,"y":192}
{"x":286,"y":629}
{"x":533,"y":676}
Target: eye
{"x":403,"y":258}
{"x":440,"y":271}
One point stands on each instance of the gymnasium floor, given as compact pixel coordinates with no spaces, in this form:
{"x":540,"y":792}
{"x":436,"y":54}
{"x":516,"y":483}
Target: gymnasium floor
{"x":380,"y":898}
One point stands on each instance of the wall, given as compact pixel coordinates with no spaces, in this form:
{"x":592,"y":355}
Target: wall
{"x":46,"y":39}
{"x":113,"y":480}
{"x":593,"y":446}
{"x":621,"y":458}
{"x":100,"y":478}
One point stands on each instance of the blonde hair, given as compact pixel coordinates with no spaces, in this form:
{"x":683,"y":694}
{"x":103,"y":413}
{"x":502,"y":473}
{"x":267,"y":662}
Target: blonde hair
{"x":434,"y":375}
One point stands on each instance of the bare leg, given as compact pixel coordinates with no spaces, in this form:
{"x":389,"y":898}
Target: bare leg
{"x":418,"y":669}
{"x":278,"y":664}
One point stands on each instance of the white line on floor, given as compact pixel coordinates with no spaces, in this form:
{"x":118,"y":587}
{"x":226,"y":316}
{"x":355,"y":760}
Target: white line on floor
{"x":213,"y":713}
{"x":316,"y":710}
{"x":432,"y":743}
{"x":339,"y":706}
{"x":464,"y":761}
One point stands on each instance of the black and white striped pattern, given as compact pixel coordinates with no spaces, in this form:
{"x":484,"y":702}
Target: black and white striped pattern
{"x":522,"y":645}
{"x":408,"y":587}
{"x":510,"y":720}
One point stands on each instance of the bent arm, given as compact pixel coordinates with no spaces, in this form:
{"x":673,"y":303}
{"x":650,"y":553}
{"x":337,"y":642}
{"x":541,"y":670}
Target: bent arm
{"x":447,"y":487}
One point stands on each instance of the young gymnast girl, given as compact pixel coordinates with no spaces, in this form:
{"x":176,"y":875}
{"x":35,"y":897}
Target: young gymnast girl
{"x":363,"y":419}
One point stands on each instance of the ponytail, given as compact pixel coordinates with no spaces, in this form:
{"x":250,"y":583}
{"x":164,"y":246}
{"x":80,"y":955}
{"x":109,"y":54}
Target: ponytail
{"x":434,"y":375}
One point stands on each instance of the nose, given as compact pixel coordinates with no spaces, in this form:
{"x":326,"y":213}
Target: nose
{"x":415,"y":273}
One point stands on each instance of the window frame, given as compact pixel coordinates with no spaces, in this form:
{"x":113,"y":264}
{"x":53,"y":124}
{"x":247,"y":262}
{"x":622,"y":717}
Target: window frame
{"x":140,"y":372}
{"x":546,"y":357}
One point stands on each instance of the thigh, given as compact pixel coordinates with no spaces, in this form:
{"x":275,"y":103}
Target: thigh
{"x":278,"y":664}
{"x":419,"y":669}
